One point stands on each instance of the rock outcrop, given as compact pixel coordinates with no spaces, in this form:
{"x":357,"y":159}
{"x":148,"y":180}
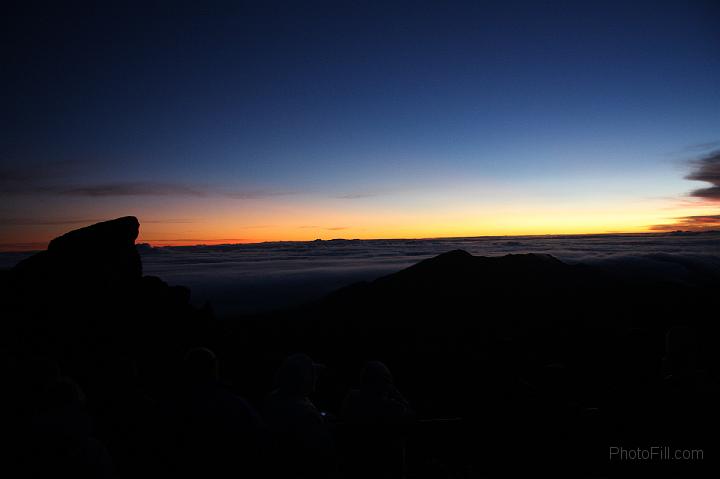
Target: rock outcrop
{"x":99,"y":255}
{"x":85,"y":298}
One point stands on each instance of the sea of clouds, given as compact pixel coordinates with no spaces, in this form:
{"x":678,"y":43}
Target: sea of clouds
{"x":251,"y":278}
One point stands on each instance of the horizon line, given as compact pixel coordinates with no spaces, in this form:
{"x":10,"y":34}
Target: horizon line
{"x":157,"y":243}
{"x":426,"y":238}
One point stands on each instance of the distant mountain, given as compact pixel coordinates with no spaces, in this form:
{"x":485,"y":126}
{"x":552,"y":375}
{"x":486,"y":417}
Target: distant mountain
{"x":458,"y":273}
{"x":461,"y":289}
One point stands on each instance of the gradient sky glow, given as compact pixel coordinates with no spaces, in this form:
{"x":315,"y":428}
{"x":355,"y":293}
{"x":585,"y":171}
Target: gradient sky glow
{"x":220,"y":123}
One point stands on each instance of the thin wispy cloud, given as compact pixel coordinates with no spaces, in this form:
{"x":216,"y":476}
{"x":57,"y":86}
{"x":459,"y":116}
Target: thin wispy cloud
{"x":13,"y":221}
{"x":169,"y":221}
{"x":328,"y":228}
{"x":357,"y":196}
{"x":17,"y":183}
{"x":700,"y":147}
{"x":31,"y":246}
{"x":196,"y":241}
{"x":127,"y":189}
{"x":47,"y":222}
{"x":254,"y":194}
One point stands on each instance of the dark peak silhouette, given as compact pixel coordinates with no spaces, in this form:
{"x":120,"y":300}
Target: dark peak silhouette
{"x":457,"y":289}
{"x":101,"y":252}
{"x":460,"y":262}
{"x":460,"y":275}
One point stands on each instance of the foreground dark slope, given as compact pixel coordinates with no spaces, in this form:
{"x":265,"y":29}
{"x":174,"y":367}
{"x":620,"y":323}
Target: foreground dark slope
{"x":542,"y":360}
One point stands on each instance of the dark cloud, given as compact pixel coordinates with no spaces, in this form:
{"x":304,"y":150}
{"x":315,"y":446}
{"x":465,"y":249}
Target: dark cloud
{"x":691,"y":223}
{"x":707,"y":169}
{"x":14,"y":175}
{"x":23,"y":179}
{"x":712,"y":193}
{"x":81,"y":222}
{"x":55,"y":179}
{"x":10,"y":257}
{"x":127,"y":189}
{"x":17,"y":184}
{"x":699,"y":147}
{"x":47,"y":222}
{"x":254,"y":194}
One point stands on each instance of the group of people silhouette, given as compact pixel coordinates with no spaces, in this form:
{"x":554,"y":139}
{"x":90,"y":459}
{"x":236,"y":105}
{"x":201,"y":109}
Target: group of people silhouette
{"x":204,"y":430}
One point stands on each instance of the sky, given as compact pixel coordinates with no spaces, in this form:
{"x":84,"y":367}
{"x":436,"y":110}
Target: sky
{"x":265,"y":121}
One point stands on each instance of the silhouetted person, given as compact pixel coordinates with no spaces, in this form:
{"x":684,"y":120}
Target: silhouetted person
{"x":680,"y":360}
{"x":35,"y":376}
{"x":689,"y":399}
{"x":222,"y":435}
{"x":555,"y":415}
{"x":127,"y":419}
{"x":635,"y":386}
{"x":375,"y":413}
{"x":377,"y":400}
{"x":302,"y":439}
{"x":62,"y":444}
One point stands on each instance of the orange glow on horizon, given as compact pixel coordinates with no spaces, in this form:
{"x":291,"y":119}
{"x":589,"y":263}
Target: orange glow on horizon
{"x":440,"y":226}
{"x":307,"y":221}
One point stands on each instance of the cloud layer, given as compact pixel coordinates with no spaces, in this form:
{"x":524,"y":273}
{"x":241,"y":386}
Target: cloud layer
{"x":257,"y":277}
{"x":246,"y":278}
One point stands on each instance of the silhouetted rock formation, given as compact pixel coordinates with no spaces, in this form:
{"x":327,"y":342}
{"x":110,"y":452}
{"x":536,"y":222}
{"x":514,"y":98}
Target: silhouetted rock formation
{"x":102,"y":253}
{"x":85,"y":298}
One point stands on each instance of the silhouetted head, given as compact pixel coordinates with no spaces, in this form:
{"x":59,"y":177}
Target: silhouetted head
{"x":640,"y":359}
{"x":63,"y":393}
{"x":201,"y":365}
{"x":35,"y":375}
{"x":297,"y":375}
{"x":376,"y":375}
